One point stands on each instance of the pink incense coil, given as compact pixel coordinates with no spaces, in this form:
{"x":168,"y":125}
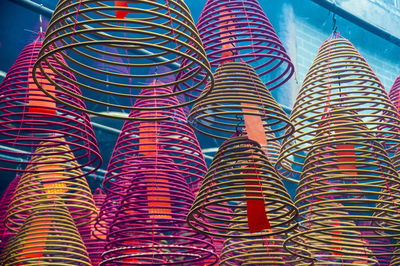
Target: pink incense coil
{"x":172,"y":140}
{"x":28,"y":116}
{"x":94,"y":246}
{"x":5,"y":200}
{"x":240,"y":31}
{"x":149,"y":227}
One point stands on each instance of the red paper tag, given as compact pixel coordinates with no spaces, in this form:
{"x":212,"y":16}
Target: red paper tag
{"x":121,"y":13}
{"x":256,"y":214}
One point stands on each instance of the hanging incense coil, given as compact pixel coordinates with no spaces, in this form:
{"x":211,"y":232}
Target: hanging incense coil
{"x":394,"y":93}
{"x":5,"y":200}
{"x":50,"y":175}
{"x":110,"y":49}
{"x":240,"y":178}
{"x":396,"y":258}
{"x":338,"y":77}
{"x":240,"y":30}
{"x":48,"y":237}
{"x":172,"y":140}
{"x":239,"y":97}
{"x":259,"y":250}
{"x":347,"y":198}
{"x":149,"y":227}
{"x":28,"y":116}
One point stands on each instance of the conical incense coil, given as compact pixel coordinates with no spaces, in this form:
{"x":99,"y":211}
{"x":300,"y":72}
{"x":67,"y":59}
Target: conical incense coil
{"x":124,"y":41}
{"x":51,"y":174}
{"x":48,"y":237}
{"x":338,"y":77}
{"x":28,"y":116}
{"x":394,"y":93}
{"x":239,"y":100}
{"x":267,"y":250}
{"x":240,"y":30}
{"x":149,"y":227}
{"x":5,"y":200}
{"x":241,"y":178}
{"x":94,"y":246}
{"x":347,"y":199}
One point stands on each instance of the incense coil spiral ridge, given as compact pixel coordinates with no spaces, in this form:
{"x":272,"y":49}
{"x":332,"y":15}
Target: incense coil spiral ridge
{"x":28,"y":116}
{"x":238,"y":95}
{"x":240,"y":31}
{"x":48,"y":237}
{"x":5,"y":200}
{"x":149,"y":227}
{"x":172,"y":140}
{"x":51,"y":174}
{"x":347,"y":199}
{"x":338,"y":77}
{"x":111,"y":45}
{"x":241,"y":178}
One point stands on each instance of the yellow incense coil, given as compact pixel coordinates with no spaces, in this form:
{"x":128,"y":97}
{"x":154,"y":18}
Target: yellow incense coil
{"x":47,"y":237}
{"x":53,"y":172}
{"x":338,"y":77}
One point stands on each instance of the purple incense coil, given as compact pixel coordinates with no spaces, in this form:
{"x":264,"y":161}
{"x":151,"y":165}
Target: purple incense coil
{"x":241,"y":178}
{"x":149,"y":227}
{"x":28,"y":116}
{"x":338,"y":78}
{"x":239,"y":100}
{"x":133,"y":35}
{"x":94,"y":246}
{"x":5,"y":200}
{"x":51,"y":174}
{"x":347,"y":196}
{"x":47,"y":237}
{"x":172,"y":140}
{"x":240,"y":31}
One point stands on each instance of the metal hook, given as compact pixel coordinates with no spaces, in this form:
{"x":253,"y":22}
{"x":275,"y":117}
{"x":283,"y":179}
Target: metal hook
{"x":334,"y":27}
{"x":239,"y":132}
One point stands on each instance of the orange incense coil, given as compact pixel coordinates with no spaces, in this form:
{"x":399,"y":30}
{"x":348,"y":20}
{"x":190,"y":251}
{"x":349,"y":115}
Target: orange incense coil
{"x":47,"y":237}
{"x":241,"y":178}
{"x":338,"y":77}
{"x":116,"y":48}
{"x":50,"y":175}
{"x":239,"y":100}
{"x":347,"y":196}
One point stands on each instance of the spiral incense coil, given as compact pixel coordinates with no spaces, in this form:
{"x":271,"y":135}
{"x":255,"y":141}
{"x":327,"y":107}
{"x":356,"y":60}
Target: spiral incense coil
{"x":111,"y":47}
{"x":347,"y":199}
{"x":240,"y":30}
{"x":258,"y":251}
{"x":94,"y":246}
{"x":338,"y":77}
{"x":241,"y":178}
{"x":149,"y":227}
{"x":5,"y":200}
{"x":28,"y":116}
{"x":47,"y":237}
{"x":239,"y":99}
{"x":394,"y":93}
{"x":50,"y":175}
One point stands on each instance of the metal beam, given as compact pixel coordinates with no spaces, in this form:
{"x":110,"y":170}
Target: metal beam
{"x":47,"y":12}
{"x":358,"y":21}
